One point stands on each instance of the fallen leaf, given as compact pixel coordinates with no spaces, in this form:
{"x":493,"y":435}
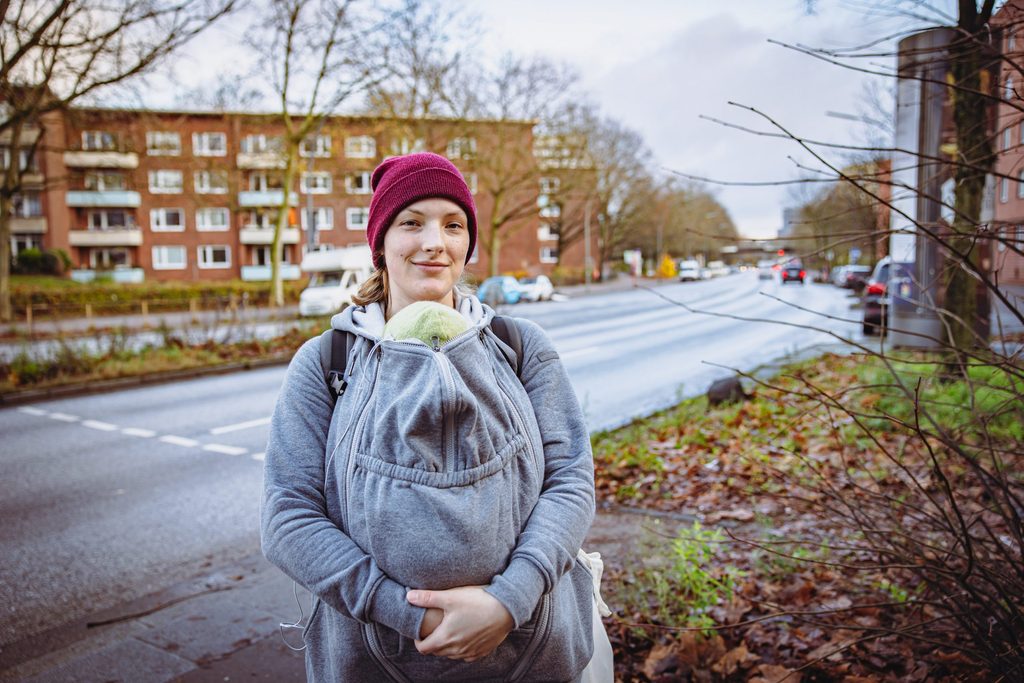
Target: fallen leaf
{"x":736,"y":658}
{"x":660,"y":659}
{"x":771,"y":673}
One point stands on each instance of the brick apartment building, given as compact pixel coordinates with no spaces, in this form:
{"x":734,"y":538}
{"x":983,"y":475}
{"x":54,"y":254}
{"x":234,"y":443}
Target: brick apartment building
{"x":180,"y":195}
{"x":1008,"y":265}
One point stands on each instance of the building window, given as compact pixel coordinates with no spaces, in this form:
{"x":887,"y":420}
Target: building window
{"x":461,"y":148}
{"x":1008,"y":93}
{"x":324,"y":218}
{"x":1004,"y":190}
{"x":1007,"y":139}
{"x":1011,"y":40}
{"x":551,"y":211}
{"x":470,"y":179}
{"x":166,"y":220}
{"x":360,"y":147}
{"x":113,"y":219}
{"x":209,"y":144}
{"x":357,"y":218}
{"x":27,"y":205}
{"x":1020,"y":185}
{"x":211,"y":182}
{"x":547,"y":232}
{"x":261,"y":255}
{"x":214,"y":256}
{"x":98,"y":141}
{"x":26,"y":159}
{"x":165,"y":182}
{"x":549,"y":254}
{"x":549,"y":185}
{"x":261,"y":181}
{"x":258,"y":144}
{"x":163,"y":144}
{"x":109,"y":258}
{"x":402,"y":146}
{"x":358,"y":183}
{"x":99,"y":181}
{"x":21,"y":242}
{"x":169,"y":258}
{"x":213,"y":219}
{"x":262,"y":220}
{"x":315,"y":183}
{"x":315,"y":146}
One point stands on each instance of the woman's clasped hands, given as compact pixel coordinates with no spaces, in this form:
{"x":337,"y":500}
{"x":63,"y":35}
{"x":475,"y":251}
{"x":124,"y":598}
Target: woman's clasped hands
{"x":464,"y":623}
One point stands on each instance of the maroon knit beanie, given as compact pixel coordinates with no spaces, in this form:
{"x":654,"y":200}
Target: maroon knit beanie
{"x":400,"y":181}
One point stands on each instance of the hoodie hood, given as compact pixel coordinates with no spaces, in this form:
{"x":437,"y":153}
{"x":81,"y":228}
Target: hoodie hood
{"x":368,"y":321}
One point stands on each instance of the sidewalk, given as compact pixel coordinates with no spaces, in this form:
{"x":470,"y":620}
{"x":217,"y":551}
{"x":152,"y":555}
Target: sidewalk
{"x":221,"y":626}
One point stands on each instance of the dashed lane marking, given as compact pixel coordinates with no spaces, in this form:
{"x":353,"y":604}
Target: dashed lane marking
{"x":64,"y":417}
{"x":240,"y":426}
{"x":101,"y":426}
{"x":32,"y":411}
{"x":136,"y":431}
{"x":226,"y":450}
{"x":258,"y":456}
{"x":179,"y":441}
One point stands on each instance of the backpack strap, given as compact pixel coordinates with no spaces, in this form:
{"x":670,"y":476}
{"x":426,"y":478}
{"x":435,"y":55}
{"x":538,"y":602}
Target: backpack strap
{"x":334,"y":349}
{"x":507,"y":331}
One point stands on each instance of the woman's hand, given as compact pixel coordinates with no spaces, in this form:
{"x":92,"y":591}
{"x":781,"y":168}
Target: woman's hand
{"x":474,"y":623}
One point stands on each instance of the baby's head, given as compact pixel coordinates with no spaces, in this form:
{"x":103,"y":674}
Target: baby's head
{"x":425,"y":320}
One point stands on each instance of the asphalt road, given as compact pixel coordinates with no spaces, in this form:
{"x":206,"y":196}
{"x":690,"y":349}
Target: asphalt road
{"x":111,"y":497}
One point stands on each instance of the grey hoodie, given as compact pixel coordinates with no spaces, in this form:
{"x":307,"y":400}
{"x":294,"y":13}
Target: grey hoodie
{"x":438,"y":468}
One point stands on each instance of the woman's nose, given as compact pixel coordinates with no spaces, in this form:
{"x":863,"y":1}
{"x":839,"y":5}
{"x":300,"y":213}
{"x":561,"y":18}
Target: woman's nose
{"x":432,"y":237}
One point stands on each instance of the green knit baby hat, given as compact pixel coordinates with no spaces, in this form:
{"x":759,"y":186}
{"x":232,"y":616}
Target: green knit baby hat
{"x":425,"y":320}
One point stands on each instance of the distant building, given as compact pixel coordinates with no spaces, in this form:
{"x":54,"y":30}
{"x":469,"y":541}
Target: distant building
{"x":182,"y":195}
{"x":1008,"y":214}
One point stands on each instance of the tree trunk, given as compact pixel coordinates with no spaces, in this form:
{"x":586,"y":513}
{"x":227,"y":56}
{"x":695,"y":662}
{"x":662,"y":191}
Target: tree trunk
{"x":277,"y":286}
{"x":493,"y":252}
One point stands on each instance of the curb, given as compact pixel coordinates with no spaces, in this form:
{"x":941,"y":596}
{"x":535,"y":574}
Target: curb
{"x":84,"y":388}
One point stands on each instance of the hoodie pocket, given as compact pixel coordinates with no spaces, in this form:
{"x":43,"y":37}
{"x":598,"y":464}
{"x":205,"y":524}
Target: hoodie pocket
{"x":438,"y":530}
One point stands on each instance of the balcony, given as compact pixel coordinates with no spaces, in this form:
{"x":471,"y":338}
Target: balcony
{"x":35,"y":225}
{"x":254,"y":235}
{"x":101,"y":159}
{"x":256,"y":198}
{"x":289,"y":271}
{"x":255,"y":161}
{"x":99,"y":199}
{"x":118,"y":275}
{"x":125,"y":237}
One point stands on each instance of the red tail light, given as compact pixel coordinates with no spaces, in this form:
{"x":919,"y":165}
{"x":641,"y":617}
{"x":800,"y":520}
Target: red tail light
{"x":876,"y":288}
{"x":803,"y":274}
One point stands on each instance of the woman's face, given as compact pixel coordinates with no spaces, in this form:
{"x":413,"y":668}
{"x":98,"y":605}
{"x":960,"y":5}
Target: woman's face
{"x":425,"y":253}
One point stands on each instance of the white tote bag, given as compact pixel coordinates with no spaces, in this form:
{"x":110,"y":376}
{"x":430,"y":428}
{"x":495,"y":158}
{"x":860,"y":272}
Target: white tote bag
{"x":602,"y":666}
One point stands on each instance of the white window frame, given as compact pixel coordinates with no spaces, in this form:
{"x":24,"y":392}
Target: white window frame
{"x":104,"y":222}
{"x":26,"y":159}
{"x":545,"y":255}
{"x":261,"y":181}
{"x":161,"y":262}
{"x":23,"y":201}
{"x":351,"y":214}
{"x":98,"y":141}
{"x":261,"y":143}
{"x":166,"y":181}
{"x":265,"y":249}
{"x":206,"y":250}
{"x":461,"y":148}
{"x":1004,"y":191}
{"x":21,"y":241}
{"x":96,"y":251}
{"x":203,"y":185}
{"x":364,"y":178}
{"x":471,"y":181}
{"x":99,"y":181}
{"x":546,"y":234}
{"x":361,"y":147}
{"x":203,"y":144}
{"x":550,"y":185}
{"x":321,"y":146}
{"x":551,"y":211}
{"x":321,"y":182}
{"x":324,"y":218}
{"x":1020,"y":185}
{"x":158,"y":220}
{"x":261,"y":219}
{"x":163,"y":143}
{"x":204,"y":225}
{"x":1007,"y":138}
{"x":403,"y":146}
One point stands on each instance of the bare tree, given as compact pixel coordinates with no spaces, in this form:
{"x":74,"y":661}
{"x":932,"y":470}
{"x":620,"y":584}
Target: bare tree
{"x":55,"y":53}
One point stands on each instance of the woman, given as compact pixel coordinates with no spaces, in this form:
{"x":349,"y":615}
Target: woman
{"x":436,"y":511}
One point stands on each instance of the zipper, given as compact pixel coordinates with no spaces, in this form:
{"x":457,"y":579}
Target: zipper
{"x":373,"y":647}
{"x":521,"y":422}
{"x":449,"y":407}
{"x":350,"y":465}
{"x":539,"y":638}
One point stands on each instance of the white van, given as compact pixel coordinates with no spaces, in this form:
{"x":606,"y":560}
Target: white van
{"x":336,"y":275}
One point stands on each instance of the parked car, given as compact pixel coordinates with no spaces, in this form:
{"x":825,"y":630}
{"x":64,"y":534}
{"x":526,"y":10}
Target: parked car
{"x":855,"y":277}
{"x":689,"y":271}
{"x":536,"y":288}
{"x":876,"y":296}
{"x":717,"y":268}
{"x":766,"y":269}
{"x":793,"y":272}
{"x":500,"y":289}
{"x":336,"y":275}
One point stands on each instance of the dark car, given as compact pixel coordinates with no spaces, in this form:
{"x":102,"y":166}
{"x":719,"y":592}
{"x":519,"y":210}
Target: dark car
{"x":855,"y":277}
{"x":793,"y":272}
{"x":875,"y":306}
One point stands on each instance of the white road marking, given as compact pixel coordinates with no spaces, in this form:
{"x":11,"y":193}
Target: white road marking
{"x":226,"y":450}
{"x":579,"y":352}
{"x":179,"y":441}
{"x":32,"y":411}
{"x":258,"y":456}
{"x":102,"y":426}
{"x":241,"y":425}
{"x":64,"y":417}
{"x":136,"y":431}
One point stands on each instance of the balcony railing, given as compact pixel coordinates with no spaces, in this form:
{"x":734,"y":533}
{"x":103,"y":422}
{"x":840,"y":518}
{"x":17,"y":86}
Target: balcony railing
{"x":289,"y":271}
{"x":117,"y":237}
{"x":119,"y":275}
{"x":260,"y":160}
{"x":100,"y":159}
{"x":102,"y":198}
{"x":35,"y":225}
{"x":254,"y":198}
{"x":250,"y":234}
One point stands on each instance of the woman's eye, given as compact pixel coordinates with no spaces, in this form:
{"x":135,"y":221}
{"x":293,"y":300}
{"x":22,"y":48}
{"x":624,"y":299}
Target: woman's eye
{"x":454,"y":226}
